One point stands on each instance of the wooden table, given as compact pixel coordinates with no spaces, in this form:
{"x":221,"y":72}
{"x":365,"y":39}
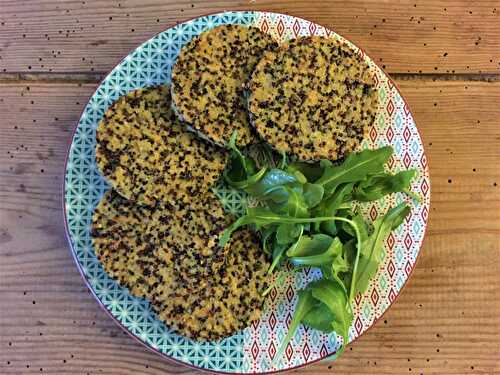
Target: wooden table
{"x":445,"y":56}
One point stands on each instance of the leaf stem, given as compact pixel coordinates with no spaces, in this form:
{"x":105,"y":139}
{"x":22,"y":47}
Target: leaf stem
{"x":279,"y":280}
{"x":278,"y":258}
{"x":245,"y":220}
{"x":358,"y":252}
{"x":413,"y":195}
{"x":266,"y":292}
{"x":276,"y":261}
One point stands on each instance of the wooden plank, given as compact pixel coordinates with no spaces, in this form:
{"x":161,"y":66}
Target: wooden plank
{"x":406,"y":36}
{"x":446,"y":320}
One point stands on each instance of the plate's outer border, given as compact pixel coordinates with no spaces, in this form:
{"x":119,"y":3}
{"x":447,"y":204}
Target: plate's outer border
{"x":252,"y":350}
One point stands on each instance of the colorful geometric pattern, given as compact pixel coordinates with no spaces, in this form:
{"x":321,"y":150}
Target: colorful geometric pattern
{"x":252,"y":350}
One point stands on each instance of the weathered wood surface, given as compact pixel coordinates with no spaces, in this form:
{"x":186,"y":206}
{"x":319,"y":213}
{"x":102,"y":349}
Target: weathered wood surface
{"x":445,"y":322}
{"x":429,"y":36}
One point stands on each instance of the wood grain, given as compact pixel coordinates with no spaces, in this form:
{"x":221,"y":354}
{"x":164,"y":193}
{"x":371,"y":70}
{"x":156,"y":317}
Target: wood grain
{"x":425,"y":36}
{"x":445,"y":322}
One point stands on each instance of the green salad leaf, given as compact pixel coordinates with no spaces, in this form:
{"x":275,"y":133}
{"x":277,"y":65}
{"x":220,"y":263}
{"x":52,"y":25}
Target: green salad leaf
{"x":371,"y":254}
{"x":313,"y":194}
{"x":242,"y":171}
{"x":315,"y":250}
{"x":331,"y":205}
{"x":356,"y":167}
{"x":311,"y":171}
{"x":296,"y":205}
{"x":305,"y":303}
{"x":334,"y":297}
{"x":307,"y":217}
{"x":320,"y":317}
{"x":288,"y":233}
{"x":379,"y":185}
{"x":271,"y":181}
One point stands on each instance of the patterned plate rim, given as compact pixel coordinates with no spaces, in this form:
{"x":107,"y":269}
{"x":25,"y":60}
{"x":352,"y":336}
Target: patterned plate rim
{"x":79,"y":265}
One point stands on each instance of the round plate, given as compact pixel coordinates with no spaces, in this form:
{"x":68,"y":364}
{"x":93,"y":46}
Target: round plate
{"x":253,"y":349}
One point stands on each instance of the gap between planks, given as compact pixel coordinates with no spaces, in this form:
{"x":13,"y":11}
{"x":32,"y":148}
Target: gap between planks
{"x":96,"y":77}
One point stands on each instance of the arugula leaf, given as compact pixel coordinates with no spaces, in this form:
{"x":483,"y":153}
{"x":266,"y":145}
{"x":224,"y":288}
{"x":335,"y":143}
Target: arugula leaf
{"x":356,"y":167}
{"x":315,"y":250}
{"x":247,"y":164}
{"x":299,"y":176}
{"x":305,"y":303}
{"x":322,"y":305}
{"x":311,"y":245}
{"x":324,"y":164}
{"x":377,"y":186}
{"x":341,"y":194}
{"x":288,"y":233}
{"x":262,"y":216}
{"x":333,"y":296}
{"x":360,"y":223}
{"x":307,"y":218}
{"x":328,"y":227}
{"x":357,"y":231}
{"x":331,"y":205}
{"x":349,"y":251}
{"x":279,"y":208}
{"x":272,"y":180}
{"x":242,"y":171}
{"x":370,"y":256}
{"x":296,"y":205}
{"x":267,"y":234}
{"x":349,"y":255}
{"x":258,"y":216}
{"x":282,"y":191}
{"x":240,"y":181}
{"x":319,"y":317}
{"x":313,"y":194}
{"x":279,"y":251}
{"x":340,"y":263}
{"x":311,"y":171}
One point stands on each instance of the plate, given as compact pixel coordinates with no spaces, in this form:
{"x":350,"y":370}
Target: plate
{"x":253,"y":349}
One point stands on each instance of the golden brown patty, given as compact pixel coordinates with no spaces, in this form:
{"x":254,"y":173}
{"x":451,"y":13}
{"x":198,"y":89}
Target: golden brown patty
{"x":169,"y":254}
{"x":226,"y":301}
{"x":209,"y":78}
{"x":128,"y":238}
{"x":313,"y":98}
{"x":148,"y":156}
{"x":189,"y":236}
{"x":120,"y":242}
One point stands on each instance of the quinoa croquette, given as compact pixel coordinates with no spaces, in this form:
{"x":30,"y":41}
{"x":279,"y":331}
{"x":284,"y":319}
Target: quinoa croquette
{"x":227,"y":301}
{"x":190,"y":234}
{"x":148,"y":156}
{"x":313,"y":98}
{"x":121,"y":244}
{"x":169,"y":254}
{"x":209,"y":79}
